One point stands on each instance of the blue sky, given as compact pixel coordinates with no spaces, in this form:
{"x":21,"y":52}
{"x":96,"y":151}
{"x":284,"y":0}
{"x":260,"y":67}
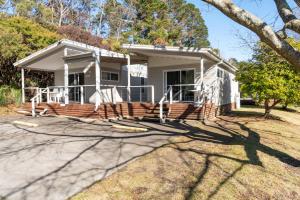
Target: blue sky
{"x":223,"y":32}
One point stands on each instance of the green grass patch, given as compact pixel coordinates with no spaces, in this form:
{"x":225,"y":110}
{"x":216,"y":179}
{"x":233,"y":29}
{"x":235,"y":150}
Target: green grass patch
{"x":9,"y":95}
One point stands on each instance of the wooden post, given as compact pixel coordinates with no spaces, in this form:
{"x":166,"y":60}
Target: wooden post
{"x":152,"y":94}
{"x":66,"y":79}
{"x":128,"y":79}
{"x":98,"y":77}
{"x":41,"y":95}
{"x":114,"y":94}
{"x":171,"y":94}
{"x":23,"y":85}
{"x":37,"y":97}
{"x":200,"y":87}
{"x":81,"y":95}
{"x":201,"y":69}
{"x":48,"y":95}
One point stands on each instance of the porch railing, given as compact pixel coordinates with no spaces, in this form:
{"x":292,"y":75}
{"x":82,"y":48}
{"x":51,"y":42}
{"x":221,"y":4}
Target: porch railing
{"x":107,"y":93}
{"x":38,"y":98}
{"x":175,"y":92}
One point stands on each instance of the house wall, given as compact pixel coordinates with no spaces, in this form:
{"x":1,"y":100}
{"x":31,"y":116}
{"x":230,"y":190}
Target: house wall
{"x":227,"y":89}
{"x":89,"y":79}
{"x":221,"y":91}
{"x":156,"y":73}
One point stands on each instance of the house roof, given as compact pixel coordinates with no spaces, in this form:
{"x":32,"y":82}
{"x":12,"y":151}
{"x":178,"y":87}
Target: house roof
{"x":178,"y":51}
{"x":67,"y":43}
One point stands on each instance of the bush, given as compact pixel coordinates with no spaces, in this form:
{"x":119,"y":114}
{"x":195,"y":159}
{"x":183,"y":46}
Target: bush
{"x":10,"y":95}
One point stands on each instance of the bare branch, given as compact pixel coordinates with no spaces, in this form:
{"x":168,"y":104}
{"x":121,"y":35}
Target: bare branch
{"x":261,"y":28}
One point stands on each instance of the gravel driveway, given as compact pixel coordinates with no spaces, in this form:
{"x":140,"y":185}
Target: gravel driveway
{"x":62,"y":156}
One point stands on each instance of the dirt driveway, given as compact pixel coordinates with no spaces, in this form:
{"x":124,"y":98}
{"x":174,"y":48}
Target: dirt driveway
{"x":62,"y":156}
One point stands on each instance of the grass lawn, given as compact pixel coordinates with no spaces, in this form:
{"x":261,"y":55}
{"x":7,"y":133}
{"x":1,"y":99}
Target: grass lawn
{"x":241,"y":156}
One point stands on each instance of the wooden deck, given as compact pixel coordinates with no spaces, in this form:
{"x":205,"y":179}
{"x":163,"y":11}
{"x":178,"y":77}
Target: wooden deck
{"x":135,"y":109}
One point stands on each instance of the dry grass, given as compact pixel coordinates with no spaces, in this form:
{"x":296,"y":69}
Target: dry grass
{"x":7,"y":110}
{"x":241,"y":156}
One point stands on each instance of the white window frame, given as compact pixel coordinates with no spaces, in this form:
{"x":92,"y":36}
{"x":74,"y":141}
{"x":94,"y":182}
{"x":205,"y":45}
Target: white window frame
{"x":172,"y":70}
{"x":111,"y":72}
{"x":222,"y":71}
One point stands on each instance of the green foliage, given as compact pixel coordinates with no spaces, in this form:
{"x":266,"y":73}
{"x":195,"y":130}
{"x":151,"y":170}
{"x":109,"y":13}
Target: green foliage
{"x":9,"y":95}
{"x":19,"y":37}
{"x":28,"y":36}
{"x":159,"y":22}
{"x":269,"y":78}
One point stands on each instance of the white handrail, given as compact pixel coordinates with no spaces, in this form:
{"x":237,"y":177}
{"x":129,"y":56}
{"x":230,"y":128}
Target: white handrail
{"x":38,"y":99}
{"x":161,"y":103}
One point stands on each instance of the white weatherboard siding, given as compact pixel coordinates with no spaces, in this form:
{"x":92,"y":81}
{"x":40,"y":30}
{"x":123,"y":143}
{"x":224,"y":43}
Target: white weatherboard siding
{"x":156,"y":74}
{"x":89,"y":79}
{"x":227,"y":89}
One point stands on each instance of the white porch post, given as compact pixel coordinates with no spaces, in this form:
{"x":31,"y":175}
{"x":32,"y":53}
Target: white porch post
{"x":128,"y":79}
{"x":200,"y":87}
{"x":66,"y":79}
{"x":201,"y":69}
{"x":98,"y":77}
{"x":23,"y":85}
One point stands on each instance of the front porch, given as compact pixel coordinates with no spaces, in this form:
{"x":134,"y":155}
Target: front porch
{"x":93,"y":82}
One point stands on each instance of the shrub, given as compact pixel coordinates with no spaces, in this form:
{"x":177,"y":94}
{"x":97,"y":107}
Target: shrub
{"x":10,"y":95}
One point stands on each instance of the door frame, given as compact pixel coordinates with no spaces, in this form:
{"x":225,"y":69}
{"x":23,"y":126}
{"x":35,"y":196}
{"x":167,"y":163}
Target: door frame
{"x":76,"y":88}
{"x":172,"y":70}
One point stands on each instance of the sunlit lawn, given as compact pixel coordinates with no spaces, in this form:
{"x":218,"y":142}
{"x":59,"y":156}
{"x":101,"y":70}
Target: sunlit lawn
{"x":7,"y":110}
{"x":241,"y":156}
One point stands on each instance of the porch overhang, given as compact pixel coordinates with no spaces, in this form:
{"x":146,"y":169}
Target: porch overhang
{"x":188,"y":53}
{"x":52,"y":57}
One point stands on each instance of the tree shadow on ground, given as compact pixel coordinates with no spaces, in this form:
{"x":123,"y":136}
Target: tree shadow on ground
{"x":250,"y":142}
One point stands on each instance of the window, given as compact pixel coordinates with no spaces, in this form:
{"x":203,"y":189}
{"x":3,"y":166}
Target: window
{"x":142,"y":84}
{"x":110,"y":76}
{"x":220,"y":73}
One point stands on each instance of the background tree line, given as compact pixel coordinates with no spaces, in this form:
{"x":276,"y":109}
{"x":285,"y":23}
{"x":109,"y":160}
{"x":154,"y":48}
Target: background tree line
{"x":172,"y":22}
{"x":29,"y":25}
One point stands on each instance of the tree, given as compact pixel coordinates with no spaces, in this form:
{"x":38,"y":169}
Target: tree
{"x":78,"y":34}
{"x":275,"y":39}
{"x":269,"y":79}
{"x":19,"y":37}
{"x":160,"y":22}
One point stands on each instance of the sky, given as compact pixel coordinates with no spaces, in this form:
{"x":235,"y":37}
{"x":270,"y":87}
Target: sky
{"x":226,"y":34}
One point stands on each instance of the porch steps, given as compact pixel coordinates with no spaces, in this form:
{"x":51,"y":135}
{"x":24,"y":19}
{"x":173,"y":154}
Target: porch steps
{"x":153,"y":113}
{"x":39,"y":109}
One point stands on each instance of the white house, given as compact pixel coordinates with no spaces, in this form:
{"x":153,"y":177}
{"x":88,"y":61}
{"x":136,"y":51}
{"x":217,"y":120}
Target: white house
{"x":164,"y":82}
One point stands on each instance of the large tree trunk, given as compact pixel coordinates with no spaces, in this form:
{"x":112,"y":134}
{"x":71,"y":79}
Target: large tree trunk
{"x":269,"y":107}
{"x":261,"y":28}
{"x":285,"y":105}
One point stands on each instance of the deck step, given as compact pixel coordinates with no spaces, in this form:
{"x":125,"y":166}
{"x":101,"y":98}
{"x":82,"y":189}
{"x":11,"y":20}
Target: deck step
{"x":150,"y":119}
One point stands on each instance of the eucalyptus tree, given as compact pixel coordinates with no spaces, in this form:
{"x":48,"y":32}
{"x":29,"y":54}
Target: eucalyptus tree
{"x":276,"y":39}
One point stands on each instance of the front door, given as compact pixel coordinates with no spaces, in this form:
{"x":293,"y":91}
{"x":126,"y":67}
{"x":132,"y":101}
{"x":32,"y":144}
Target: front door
{"x":74,"y":80}
{"x":180,"y":92}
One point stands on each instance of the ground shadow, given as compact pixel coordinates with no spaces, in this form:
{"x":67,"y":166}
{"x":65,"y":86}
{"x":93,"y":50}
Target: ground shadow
{"x":250,"y":142}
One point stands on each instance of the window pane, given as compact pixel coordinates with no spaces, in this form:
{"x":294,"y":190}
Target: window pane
{"x":114,"y":77}
{"x":105,"y":76}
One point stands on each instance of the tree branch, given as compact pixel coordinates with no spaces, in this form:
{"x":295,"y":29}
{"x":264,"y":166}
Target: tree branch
{"x":297,"y":2}
{"x":264,"y":31}
{"x":287,"y":15}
